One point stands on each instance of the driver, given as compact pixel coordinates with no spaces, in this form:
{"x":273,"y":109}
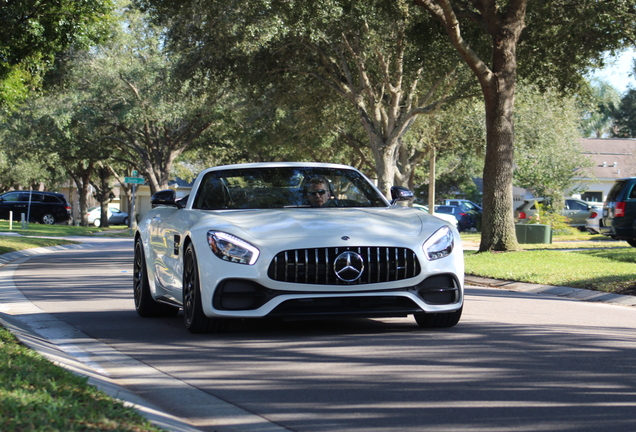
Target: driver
{"x":318,"y":192}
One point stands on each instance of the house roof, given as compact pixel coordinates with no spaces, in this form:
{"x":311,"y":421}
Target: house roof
{"x":612,"y":158}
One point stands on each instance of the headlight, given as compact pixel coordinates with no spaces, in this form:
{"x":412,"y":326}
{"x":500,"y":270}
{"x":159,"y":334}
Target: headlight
{"x":439,"y":245}
{"x":231,"y":248}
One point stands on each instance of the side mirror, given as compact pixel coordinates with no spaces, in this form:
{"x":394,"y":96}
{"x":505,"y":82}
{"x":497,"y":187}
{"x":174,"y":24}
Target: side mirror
{"x":166,"y":197}
{"x":400,"y":193}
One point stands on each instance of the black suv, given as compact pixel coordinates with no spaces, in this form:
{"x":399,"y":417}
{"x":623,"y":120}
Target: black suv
{"x":619,"y":212}
{"x":44,"y":207}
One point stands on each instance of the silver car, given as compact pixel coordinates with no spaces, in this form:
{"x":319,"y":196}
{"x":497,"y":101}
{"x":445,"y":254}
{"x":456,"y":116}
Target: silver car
{"x":577,"y":211}
{"x":115,"y":216}
{"x":592,"y":223}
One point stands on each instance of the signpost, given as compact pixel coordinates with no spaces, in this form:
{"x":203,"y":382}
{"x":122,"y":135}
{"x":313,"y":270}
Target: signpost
{"x":134,"y":180}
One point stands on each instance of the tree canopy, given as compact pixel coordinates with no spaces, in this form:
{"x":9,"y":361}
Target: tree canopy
{"x":34,"y":33}
{"x":542,"y":40}
{"x":547,"y":143}
{"x":368,"y":54}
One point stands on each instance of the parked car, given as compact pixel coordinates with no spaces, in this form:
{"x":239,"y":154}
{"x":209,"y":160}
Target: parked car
{"x":618,"y":219}
{"x":466,"y":205}
{"x":253,"y":241}
{"x":43,"y":207}
{"x":445,"y":216}
{"x":465,"y":220}
{"x":577,"y":211}
{"x":115,"y":216}
{"x":592,"y":223}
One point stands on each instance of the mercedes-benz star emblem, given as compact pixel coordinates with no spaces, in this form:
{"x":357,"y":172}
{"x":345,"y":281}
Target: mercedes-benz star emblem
{"x":348,"y":266}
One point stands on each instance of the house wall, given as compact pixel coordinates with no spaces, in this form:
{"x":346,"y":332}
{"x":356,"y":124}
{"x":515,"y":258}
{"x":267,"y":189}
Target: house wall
{"x":612,"y":159}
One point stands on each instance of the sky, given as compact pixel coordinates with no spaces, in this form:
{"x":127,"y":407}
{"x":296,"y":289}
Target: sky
{"x":618,"y":71}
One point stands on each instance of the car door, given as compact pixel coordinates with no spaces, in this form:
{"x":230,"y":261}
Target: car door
{"x":165,"y":240}
{"x":576,"y":211}
{"x":115,"y":216}
{"x":35,"y":205}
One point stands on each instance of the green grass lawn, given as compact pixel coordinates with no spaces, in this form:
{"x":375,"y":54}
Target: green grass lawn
{"x":11,"y":244}
{"x":35,"y":394}
{"x":578,"y":261}
{"x":34,"y":229}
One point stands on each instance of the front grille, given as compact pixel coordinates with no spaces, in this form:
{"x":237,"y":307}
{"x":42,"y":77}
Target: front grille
{"x":315,"y":266}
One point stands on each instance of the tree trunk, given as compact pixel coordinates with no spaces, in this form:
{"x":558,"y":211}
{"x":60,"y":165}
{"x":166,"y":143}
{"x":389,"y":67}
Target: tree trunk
{"x":503,"y":23}
{"x":103,"y":194}
{"x":498,"y":231}
{"x":81,"y":178}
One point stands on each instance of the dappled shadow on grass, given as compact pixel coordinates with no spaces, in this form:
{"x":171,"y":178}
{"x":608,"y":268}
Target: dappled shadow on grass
{"x":623,"y":255}
{"x":606,"y":270}
{"x":624,"y":285}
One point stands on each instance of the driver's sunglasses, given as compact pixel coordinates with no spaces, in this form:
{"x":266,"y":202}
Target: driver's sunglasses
{"x":317,"y":192}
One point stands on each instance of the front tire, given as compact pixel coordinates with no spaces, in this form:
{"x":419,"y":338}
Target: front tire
{"x":145,"y":305}
{"x":631,"y":242}
{"x":194,"y":318}
{"x":438,"y":320}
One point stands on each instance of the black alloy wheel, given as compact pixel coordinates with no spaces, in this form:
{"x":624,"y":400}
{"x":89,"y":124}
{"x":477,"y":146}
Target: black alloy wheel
{"x":193,"y":316}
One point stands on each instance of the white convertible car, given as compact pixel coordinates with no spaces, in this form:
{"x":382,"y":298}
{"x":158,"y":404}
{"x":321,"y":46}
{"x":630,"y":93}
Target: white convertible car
{"x":294,"y":240}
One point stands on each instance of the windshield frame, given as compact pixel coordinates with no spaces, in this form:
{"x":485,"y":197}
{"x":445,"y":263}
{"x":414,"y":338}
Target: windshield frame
{"x":263,"y":186}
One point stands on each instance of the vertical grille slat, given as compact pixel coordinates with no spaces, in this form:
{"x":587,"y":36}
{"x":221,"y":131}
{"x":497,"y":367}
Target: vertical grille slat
{"x":315,"y":266}
{"x":406,"y":263}
{"x":377,"y":261}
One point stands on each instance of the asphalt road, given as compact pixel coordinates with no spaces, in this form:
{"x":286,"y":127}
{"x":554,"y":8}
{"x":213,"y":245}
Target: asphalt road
{"x":515,"y":362}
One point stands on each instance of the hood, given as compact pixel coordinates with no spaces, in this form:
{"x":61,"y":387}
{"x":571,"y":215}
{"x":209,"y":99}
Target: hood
{"x":326,"y":222}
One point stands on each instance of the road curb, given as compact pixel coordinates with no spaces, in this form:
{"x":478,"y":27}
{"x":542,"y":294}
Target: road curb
{"x":559,"y":291}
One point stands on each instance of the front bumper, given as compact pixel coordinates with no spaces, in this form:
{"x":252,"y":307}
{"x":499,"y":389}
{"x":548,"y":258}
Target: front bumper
{"x":245,"y":298}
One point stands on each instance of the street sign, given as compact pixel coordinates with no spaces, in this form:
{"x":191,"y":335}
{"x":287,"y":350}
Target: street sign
{"x":135,"y":180}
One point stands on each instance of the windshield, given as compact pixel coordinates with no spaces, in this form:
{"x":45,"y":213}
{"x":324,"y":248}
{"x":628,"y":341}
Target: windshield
{"x":285,"y":187}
